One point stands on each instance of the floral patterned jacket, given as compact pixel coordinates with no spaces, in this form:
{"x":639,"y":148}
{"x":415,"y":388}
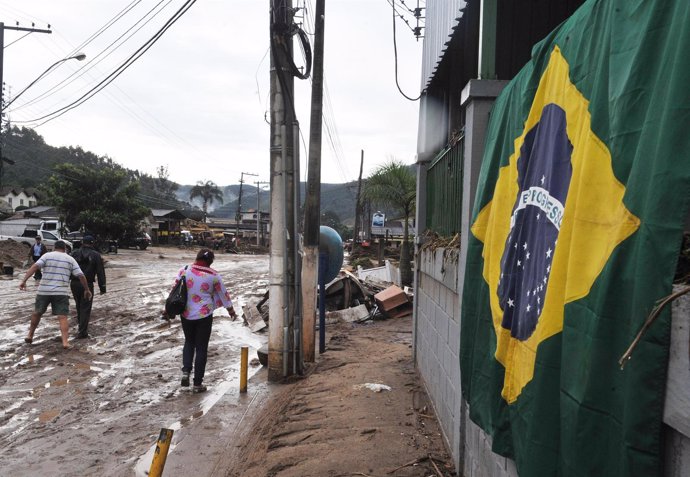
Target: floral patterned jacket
{"x":205,"y":291}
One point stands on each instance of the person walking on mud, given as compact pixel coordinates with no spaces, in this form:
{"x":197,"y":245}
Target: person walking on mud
{"x":37,"y":250}
{"x":91,"y":263}
{"x":57,"y":267}
{"x":205,"y":293}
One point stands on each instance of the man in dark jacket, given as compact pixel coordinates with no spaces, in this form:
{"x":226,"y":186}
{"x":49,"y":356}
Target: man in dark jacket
{"x":37,"y":251}
{"x":91,"y":264}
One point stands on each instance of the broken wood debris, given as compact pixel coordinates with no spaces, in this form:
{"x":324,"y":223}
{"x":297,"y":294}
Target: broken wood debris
{"x":393,"y":302}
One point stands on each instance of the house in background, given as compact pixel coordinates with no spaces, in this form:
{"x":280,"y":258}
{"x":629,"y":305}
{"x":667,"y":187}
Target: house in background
{"x":18,"y":197}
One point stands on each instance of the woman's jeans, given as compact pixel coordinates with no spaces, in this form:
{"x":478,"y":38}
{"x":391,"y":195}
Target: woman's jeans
{"x":196,"y":336}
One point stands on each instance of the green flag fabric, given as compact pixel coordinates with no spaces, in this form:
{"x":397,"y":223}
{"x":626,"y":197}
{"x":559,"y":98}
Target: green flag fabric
{"x":580,"y":208}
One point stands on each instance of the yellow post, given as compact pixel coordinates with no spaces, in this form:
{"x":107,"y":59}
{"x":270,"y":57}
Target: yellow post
{"x":161,"y":453}
{"x":243,"y":369}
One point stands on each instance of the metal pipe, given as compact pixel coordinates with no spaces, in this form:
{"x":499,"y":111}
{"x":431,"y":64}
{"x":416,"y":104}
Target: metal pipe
{"x":323,"y":262}
{"x":161,"y":453}
{"x":244,"y":358}
{"x":258,"y":213}
{"x":286,"y":290}
{"x":297,"y":343}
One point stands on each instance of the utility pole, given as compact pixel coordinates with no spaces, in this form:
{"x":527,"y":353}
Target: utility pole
{"x":258,"y":211}
{"x":4,"y":27}
{"x":282,"y":346}
{"x":312,"y":202}
{"x":358,"y":204}
{"x":238,"y":214}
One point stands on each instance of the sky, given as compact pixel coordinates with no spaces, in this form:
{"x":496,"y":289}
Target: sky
{"x":197,"y":102}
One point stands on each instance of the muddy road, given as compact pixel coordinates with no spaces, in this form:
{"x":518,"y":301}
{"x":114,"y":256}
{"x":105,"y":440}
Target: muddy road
{"x":97,"y":409}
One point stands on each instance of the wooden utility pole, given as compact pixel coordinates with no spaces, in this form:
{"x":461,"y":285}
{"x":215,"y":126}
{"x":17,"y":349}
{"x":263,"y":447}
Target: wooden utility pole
{"x":259,"y":229}
{"x":238,"y":213}
{"x":281,"y":342}
{"x":312,"y":202}
{"x":358,"y":204}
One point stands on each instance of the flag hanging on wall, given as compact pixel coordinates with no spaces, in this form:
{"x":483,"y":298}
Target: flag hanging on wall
{"x":579,"y":214}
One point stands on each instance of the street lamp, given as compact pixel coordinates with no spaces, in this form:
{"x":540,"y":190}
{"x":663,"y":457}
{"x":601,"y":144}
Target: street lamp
{"x":79,"y":56}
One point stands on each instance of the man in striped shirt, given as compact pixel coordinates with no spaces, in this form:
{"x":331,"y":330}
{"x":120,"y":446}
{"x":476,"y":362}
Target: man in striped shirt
{"x":54,"y":290}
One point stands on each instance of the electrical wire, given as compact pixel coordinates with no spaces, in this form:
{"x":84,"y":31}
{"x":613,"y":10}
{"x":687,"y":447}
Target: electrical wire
{"x":163,"y":131}
{"x":118,"y":71}
{"x":94,"y":61}
{"x":400,"y":15}
{"x":395,"y":50}
{"x":15,"y":41}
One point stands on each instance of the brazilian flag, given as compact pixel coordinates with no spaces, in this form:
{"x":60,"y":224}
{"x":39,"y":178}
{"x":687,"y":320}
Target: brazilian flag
{"x":576,"y":232}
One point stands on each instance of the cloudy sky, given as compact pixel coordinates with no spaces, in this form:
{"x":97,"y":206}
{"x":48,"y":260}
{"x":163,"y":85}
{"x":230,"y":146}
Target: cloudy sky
{"x":197,"y":100}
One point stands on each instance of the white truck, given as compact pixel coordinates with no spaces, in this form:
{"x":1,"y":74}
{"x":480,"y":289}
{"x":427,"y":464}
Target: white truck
{"x":19,"y":227}
{"x":28,"y":237}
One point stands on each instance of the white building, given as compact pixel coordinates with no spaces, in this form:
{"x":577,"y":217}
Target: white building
{"x":18,"y":197}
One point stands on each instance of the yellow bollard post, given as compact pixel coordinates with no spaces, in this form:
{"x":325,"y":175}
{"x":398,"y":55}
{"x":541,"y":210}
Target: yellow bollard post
{"x":161,"y":453}
{"x":243,"y":369}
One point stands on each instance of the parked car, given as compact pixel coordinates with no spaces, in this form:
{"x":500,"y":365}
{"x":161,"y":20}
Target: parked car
{"x":28,"y":238}
{"x":140,"y":240}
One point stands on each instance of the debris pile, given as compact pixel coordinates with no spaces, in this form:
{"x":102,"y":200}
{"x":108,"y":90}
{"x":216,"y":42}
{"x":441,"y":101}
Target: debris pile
{"x":393,"y":302}
{"x":14,"y":254}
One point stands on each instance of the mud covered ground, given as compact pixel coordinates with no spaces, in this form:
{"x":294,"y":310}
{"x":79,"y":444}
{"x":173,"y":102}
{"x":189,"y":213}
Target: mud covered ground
{"x":98,"y":408}
{"x":362,"y":411}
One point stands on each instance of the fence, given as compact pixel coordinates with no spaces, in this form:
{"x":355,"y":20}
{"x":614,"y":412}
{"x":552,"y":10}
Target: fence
{"x":444,"y":190}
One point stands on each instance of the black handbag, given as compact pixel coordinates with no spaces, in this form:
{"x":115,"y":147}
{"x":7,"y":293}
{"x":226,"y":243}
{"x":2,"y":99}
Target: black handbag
{"x":177,"y":299}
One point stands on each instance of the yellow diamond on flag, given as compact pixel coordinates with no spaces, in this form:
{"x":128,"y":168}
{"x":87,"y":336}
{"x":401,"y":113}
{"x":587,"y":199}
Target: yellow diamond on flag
{"x":556,"y":216}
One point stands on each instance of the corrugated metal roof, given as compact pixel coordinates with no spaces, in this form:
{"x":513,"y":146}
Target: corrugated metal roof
{"x":441,"y":18}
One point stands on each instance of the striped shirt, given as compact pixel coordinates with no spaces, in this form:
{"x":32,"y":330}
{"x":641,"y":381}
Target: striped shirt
{"x":57,"y":269}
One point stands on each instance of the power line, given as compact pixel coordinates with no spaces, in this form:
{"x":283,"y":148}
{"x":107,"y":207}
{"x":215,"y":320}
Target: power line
{"x":118,"y":71}
{"x":395,"y":50}
{"x":92,"y":63}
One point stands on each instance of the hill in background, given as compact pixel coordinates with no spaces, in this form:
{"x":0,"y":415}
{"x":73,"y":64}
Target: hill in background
{"x":35,"y":160}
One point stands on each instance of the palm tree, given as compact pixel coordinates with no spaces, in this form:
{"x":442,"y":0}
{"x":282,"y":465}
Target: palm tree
{"x":209,"y":193}
{"x":394,"y":184}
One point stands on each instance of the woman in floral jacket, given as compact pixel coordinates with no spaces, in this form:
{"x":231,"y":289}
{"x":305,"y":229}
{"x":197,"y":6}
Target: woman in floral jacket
{"x":205,"y":293}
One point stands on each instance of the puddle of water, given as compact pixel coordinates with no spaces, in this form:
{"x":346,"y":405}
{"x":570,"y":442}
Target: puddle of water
{"x":49,"y":415}
{"x":87,"y":367}
{"x":28,"y":359}
{"x":18,"y":422}
{"x":213,"y":395}
{"x":58,"y":382}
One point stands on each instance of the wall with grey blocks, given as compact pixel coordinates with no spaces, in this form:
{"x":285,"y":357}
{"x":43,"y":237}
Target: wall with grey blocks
{"x":677,"y":405}
{"x":437,"y":338}
{"x":437,"y":347}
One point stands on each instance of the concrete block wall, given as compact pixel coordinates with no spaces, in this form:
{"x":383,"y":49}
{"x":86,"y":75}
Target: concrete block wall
{"x":437,"y":338}
{"x":677,"y":405}
{"x":437,"y":347}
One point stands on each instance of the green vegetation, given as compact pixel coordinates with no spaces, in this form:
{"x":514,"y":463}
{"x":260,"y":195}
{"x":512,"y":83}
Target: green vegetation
{"x":105,"y":201}
{"x":208,"y":192}
{"x":331,"y":219}
{"x":393,"y":184}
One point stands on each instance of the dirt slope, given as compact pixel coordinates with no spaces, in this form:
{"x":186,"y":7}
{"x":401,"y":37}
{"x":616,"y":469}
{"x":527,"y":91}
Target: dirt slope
{"x":328,"y":424}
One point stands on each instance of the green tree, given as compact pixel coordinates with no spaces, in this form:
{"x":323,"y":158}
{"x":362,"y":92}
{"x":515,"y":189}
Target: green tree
{"x":393,"y":184}
{"x":208,"y":192}
{"x":332,"y":220}
{"x":104,"y":200}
